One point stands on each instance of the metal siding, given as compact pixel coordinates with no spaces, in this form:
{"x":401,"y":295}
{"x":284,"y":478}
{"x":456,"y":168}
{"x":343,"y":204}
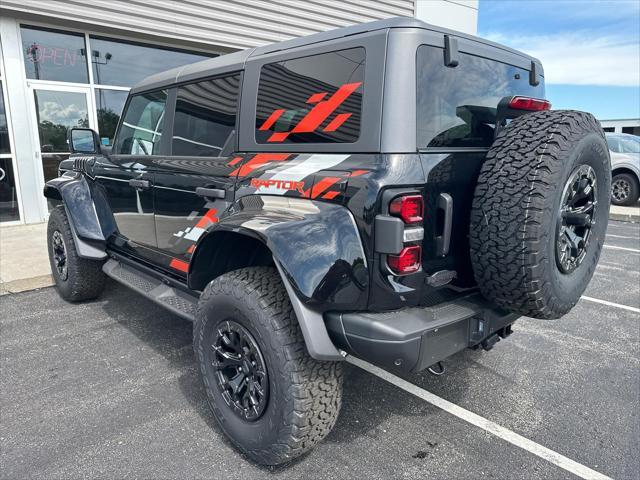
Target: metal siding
{"x":235,"y":24}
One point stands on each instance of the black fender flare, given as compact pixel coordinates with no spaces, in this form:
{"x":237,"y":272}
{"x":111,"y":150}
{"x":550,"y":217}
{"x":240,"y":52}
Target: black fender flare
{"x":317,"y":249}
{"x":74,"y":192}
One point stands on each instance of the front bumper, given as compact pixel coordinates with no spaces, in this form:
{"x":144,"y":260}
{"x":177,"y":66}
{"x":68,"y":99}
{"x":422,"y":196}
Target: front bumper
{"x":416,"y":338}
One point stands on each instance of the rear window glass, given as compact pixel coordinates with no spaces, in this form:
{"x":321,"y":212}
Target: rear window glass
{"x":205,"y":117}
{"x":456,"y":107}
{"x":315,"y":99}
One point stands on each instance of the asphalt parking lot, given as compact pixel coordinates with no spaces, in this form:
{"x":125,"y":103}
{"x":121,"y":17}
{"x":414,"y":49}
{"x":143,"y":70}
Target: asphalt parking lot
{"x":109,"y":389}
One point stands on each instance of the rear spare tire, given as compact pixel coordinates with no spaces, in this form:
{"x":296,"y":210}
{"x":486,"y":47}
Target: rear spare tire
{"x":540,"y":212}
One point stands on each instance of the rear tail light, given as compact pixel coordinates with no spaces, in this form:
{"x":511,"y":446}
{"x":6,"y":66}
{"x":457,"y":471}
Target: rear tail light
{"x":407,"y":261}
{"x":528,"y":103}
{"x":409,"y":207}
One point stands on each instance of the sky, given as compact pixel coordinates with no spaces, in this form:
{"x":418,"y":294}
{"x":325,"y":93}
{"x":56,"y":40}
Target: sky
{"x":590,"y":49}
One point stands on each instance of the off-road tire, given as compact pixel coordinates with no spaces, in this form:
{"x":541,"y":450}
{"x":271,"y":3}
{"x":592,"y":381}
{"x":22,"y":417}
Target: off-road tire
{"x":85,"y":279}
{"x":516,"y":208}
{"x":634,"y":189}
{"x":304,"y":394}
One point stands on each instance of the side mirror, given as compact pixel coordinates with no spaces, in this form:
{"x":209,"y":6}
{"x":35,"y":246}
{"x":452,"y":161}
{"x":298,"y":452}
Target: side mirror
{"x":83,"y":140}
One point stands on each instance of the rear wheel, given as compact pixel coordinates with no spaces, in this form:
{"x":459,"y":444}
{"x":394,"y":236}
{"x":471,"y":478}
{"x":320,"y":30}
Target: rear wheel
{"x":268,"y":395}
{"x":540,"y":212}
{"x":76,"y":278}
{"x":624,"y":189}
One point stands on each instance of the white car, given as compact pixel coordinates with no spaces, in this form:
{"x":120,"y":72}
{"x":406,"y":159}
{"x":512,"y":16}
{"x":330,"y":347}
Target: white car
{"x":625,"y":168}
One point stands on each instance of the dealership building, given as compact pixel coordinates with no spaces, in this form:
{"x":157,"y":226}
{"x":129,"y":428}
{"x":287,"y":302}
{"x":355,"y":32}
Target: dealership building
{"x":65,"y":63}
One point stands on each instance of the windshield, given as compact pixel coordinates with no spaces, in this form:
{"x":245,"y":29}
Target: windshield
{"x":456,"y":106}
{"x":624,"y":143}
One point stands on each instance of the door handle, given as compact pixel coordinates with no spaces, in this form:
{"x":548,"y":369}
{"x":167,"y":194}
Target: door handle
{"x":445,"y":205}
{"x":141,"y":184}
{"x":211,"y":192}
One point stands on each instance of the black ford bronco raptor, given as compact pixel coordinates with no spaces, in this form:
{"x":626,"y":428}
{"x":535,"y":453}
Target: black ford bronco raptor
{"x":393,"y":191}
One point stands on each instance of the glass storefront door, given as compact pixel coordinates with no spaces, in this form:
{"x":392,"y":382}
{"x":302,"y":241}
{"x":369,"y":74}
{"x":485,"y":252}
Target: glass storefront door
{"x":57,"y":109}
{"x":9,"y":209}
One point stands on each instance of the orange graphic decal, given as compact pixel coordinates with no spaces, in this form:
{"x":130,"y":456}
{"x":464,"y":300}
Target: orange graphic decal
{"x":322,"y":186}
{"x":316,"y":97}
{"x":259,"y":160}
{"x":318,"y":114}
{"x":331,"y":195}
{"x":272,"y":119}
{"x":337,"y":122}
{"x":209,"y":217}
{"x":179,"y":265}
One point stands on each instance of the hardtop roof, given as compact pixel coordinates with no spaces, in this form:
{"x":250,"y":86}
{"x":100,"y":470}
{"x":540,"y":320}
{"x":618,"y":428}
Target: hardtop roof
{"x":237,"y":60}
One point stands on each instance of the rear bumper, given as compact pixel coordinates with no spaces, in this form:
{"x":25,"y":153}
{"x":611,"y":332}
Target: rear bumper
{"x":416,"y":338}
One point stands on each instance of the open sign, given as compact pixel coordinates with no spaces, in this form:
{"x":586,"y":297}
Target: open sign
{"x":55,"y":55}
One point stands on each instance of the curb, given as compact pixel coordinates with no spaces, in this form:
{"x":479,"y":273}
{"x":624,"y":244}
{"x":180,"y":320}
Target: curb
{"x":621,"y":217}
{"x":25,"y":284}
{"x":625,"y":214}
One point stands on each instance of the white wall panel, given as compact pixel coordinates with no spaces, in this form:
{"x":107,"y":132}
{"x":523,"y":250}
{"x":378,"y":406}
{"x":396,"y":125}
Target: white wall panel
{"x":461,"y":15}
{"x":228,"y":23}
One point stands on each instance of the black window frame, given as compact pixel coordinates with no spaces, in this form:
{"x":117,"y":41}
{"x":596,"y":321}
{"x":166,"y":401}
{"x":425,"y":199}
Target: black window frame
{"x":171,"y":113}
{"x":374,"y":43}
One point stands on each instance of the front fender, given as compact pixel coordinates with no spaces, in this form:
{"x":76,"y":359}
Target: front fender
{"x":316,"y":245}
{"x":75,"y":193}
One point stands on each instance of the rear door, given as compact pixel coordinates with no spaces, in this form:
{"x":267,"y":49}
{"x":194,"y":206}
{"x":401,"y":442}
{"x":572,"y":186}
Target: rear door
{"x":194,"y":184}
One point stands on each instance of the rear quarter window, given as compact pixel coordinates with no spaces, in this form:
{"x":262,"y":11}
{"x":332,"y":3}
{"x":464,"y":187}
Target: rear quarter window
{"x":314,"y":99}
{"x":456,"y":106}
{"x":205,"y":117}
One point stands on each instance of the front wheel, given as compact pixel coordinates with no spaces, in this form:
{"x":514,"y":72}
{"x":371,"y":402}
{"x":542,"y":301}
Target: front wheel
{"x":76,"y":278}
{"x":268,"y":395}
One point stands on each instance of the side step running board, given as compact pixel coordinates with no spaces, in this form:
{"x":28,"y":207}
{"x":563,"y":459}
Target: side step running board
{"x":174,"y":300}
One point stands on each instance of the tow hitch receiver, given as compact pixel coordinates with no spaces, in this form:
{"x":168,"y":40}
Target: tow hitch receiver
{"x":489,"y":342}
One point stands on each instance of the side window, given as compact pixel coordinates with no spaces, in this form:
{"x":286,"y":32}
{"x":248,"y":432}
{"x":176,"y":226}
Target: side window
{"x":141,"y":129}
{"x":205,"y":116}
{"x":315,"y":99}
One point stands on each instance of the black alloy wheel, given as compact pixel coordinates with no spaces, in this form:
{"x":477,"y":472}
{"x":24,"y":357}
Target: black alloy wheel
{"x":59,"y":255}
{"x":576,"y":219}
{"x":240,"y":370}
{"x":620,"y":190}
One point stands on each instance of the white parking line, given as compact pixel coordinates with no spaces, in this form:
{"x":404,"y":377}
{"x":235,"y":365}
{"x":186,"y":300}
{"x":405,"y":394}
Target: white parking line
{"x":481,"y":422}
{"x":634,"y":250}
{"x":611,"y":304}
{"x":623,"y":236}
